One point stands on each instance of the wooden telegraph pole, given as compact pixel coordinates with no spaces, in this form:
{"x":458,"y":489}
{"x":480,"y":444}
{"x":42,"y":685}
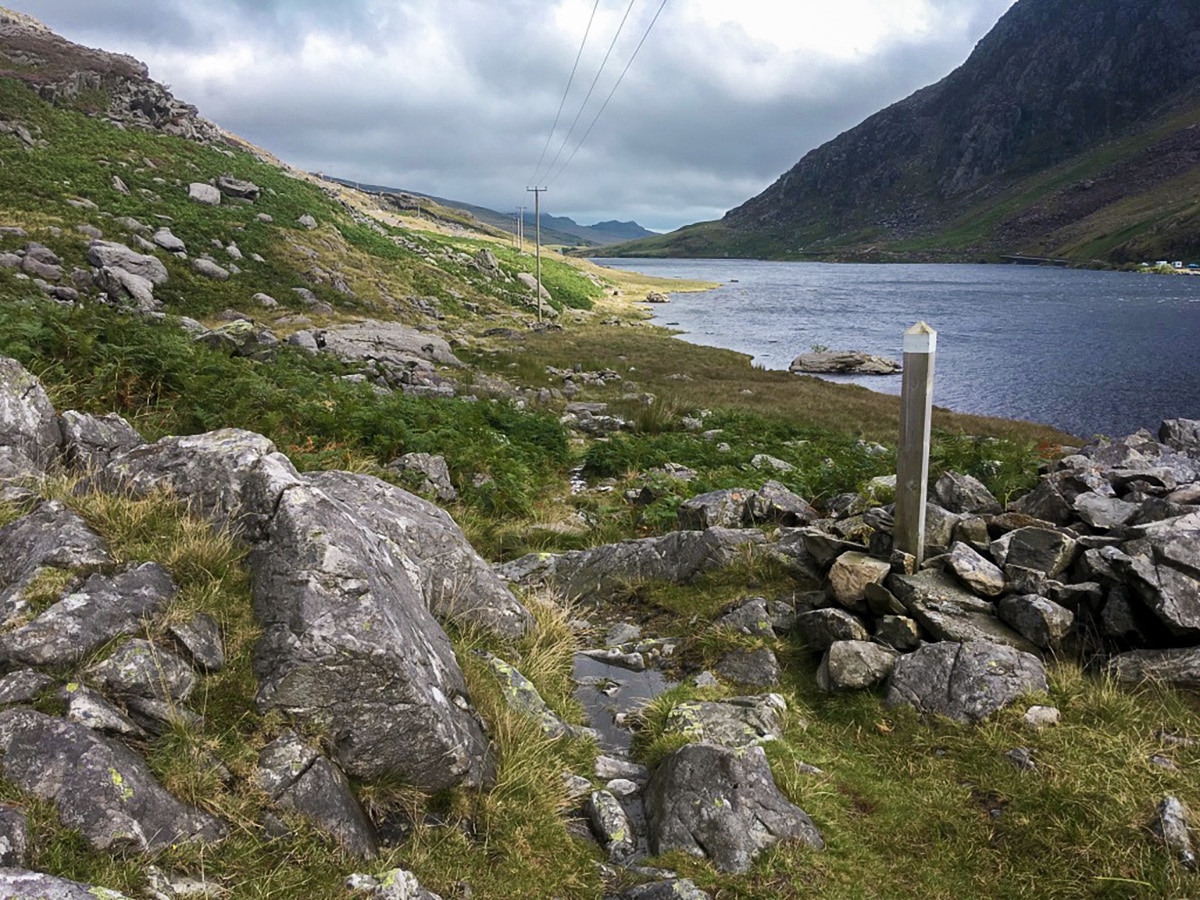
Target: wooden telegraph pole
{"x":521,"y":229}
{"x":912,"y":462}
{"x":537,"y":218}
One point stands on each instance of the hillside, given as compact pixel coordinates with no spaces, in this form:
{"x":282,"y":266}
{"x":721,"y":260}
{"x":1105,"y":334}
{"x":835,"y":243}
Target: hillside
{"x":556,"y":230}
{"x":322,"y":540}
{"x":1070,"y":131}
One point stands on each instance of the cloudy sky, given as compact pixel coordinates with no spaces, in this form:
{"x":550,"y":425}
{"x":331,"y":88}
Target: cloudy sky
{"x":457,"y":98}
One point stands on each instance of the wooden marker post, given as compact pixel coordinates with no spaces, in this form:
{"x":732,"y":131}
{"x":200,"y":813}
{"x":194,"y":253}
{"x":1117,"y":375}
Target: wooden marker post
{"x":912,"y":456}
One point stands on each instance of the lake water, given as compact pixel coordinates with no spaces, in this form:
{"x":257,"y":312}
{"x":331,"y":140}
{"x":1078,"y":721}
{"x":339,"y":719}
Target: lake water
{"x":1087,"y":352}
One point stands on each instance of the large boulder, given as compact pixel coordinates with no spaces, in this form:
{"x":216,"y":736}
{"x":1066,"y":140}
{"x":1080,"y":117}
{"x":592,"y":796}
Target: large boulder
{"x":717,"y":509}
{"x":91,"y":442}
{"x":1167,"y":579}
{"x":964,"y":494}
{"x":843,"y":362}
{"x":723,"y":804}
{"x":850,"y":575}
{"x":458,"y":585}
{"x":677,"y":558}
{"x":349,"y":648}
{"x":979,"y":574}
{"x":99,"y":786}
{"x":110,"y":255}
{"x":389,"y":344}
{"x":233,"y":478}
{"x":855,"y":666}
{"x":29,"y":429}
{"x":1182,"y":435}
{"x":966,"y":682}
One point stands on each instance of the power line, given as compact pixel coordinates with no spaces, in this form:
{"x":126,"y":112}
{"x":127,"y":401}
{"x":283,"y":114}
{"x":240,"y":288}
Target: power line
{"x":605,"y":106}
{"x":599,"y":72}
{"x":538,"y":168}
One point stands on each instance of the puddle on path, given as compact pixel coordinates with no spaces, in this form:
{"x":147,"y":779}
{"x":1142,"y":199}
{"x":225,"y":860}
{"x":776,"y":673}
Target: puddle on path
{"x":608,"y":690}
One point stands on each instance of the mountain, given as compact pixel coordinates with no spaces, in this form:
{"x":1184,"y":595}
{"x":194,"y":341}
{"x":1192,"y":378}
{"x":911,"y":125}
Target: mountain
{"x":555,"y":229}
{"x":1072,"y":131}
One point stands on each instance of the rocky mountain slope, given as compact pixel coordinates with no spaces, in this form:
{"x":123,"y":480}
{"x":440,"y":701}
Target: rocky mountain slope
{"x":1070,"y":131}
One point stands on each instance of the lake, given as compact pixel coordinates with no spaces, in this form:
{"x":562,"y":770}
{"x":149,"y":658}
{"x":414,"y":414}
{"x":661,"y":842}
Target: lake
{"x":1087,"y":352}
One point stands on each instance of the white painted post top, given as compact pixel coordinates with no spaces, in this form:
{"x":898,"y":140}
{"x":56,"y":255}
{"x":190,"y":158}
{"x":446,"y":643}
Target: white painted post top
{"x":920,"y":339}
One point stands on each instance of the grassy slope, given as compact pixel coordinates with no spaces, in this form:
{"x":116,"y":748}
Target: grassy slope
{"x":906,"y":807}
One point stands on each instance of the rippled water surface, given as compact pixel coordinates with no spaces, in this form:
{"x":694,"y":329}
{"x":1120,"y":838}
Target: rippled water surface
{"x":1088,"y":352}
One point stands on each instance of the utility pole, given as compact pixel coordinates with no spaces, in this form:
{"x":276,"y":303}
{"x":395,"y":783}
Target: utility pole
{"x":537,"y":218}
{"x":521,"y":229}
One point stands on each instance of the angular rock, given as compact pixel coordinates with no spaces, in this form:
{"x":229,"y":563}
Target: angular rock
{"x":200,"y":638}
{"x":19,"y":884}
{"x":1168,"y":579}
{"x":751,"y":618}
{"x":723,"y":804}
{"x":1178,"y":666}
{"x":141,"y":669}
{"x":940,"y":525}
{"x":457,"y":584}
{"x":204,"y":193}
{"x":1035,"y":548}
{"x":233,"y":478}
{"x":1104,"y":512}
{"x":90,"y":442}
{"x":676,"y":558}
{"x":775,"y":503}
{"x":111,"y":255}
{"x":850,"y":575}
{"x":1042,"y":621}
{"x":522,"y":695}
{"x":124,"y":285}
{"x":756,"y":668}
{"x":1172,"y":823}
{"x":28,"y":423}
{"x":90,"y":709}
{"x":898,"y":632}
{"x":98,"y":786}
{"x":978,"y":574}
{"x":238,"y":189}
{"x":843,"y":362}
{"x":14,"y":839}
{"x":736,"y":722}
{"x":820,"y":628}
{"x":611,"y":825}
{"x":104,"y":608}
{"x":349,"y":647}
{"x":681,"y":889}
{"x":389,"y":344}
{"x":298,"y":777}
{"x":966,"y":682}
{"x":23,"y":686}
{"x":964,"y":494}
{"x":434,"y":470}
{"x":949,"y":613}
{"x":855,"y":666}
{"x":716,"y":509}
{"x":1182,"y":435}
{"x":168,"y":241}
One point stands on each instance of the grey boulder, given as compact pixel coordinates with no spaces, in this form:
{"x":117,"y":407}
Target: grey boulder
{"x":949,"y":613}
{"x":91,"y":442}
{"x":21,"y":884}
{"x":736,"y":722}
{"x":28,"y":424}
{"x":723,"y":804}
{"x":855,"y":666}
{"x":966,"y":682}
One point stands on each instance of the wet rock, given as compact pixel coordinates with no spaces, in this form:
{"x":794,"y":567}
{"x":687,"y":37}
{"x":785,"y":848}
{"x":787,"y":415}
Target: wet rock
{"x":1042,"y":621}
{"x":736,"y":722}
{"x":103,"y":608}
{"x":855,"y":666}
{"x":611,"y":825}
{"x":723,"y":804}
{"x":299,"y":778}
{"x":966,"y":682}
{"x":98,"y":786}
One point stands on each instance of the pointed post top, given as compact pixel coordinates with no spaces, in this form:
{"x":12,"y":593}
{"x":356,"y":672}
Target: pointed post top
{"x":920,"y":339}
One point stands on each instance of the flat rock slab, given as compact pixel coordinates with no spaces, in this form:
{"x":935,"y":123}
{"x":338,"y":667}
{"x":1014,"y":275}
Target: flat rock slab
{"x":844,"y":362}
{"x":949,"y":613}
{"x":736,"y":722}
{"x":723,"y":804}
{"x":390,"y":343}
{"x":103,"y":608}
{"x":966,"y":682}
{"x":676,"y":558}
{"x":98,"y":786}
